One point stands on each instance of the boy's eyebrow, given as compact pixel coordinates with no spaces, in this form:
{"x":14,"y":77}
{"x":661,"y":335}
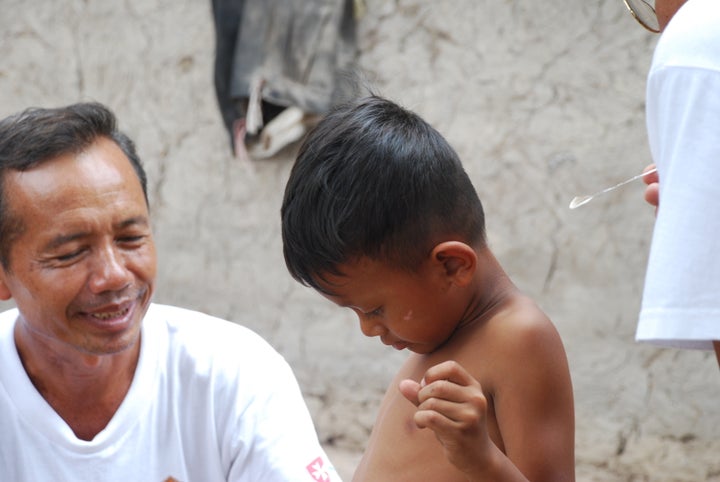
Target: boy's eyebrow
{"x":323,"y":285}
{"x":327,"y":292}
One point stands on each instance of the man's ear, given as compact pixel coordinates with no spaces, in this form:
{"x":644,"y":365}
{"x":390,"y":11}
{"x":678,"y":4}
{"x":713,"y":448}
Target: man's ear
{"x":458,"y":260}
{"x":4,"y":290}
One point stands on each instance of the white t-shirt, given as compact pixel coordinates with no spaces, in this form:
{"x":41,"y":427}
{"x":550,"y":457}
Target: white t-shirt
{"x":681,"y":301}
{"x":210,"y":401}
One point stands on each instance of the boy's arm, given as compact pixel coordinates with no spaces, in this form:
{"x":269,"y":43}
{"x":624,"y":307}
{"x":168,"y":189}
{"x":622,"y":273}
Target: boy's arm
{"x":532,"y":401}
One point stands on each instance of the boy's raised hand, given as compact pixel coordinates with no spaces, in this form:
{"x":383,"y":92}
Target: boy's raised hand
{"x":451,"y":403}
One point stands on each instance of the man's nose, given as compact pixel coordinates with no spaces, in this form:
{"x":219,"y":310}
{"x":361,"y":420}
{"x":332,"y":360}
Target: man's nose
{"x":109,"y":271}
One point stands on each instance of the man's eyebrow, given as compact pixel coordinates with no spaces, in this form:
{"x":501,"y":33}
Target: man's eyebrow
{"x":62,"y":239}
{"x":135,"y":220}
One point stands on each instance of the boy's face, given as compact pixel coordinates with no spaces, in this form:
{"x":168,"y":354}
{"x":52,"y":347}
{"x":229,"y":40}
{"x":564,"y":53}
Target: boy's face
{"x":413,"y":310}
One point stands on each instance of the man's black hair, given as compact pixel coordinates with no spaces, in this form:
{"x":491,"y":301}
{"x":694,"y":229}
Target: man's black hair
{"x":37,"y":135}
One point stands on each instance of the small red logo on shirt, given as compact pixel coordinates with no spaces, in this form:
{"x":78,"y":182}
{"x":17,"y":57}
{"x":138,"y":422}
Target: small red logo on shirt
{"x":317,"y":471}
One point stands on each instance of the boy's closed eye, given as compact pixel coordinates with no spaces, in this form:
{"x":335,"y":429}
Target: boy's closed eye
{"x":368,"y":314}
{"x":374,"y":313}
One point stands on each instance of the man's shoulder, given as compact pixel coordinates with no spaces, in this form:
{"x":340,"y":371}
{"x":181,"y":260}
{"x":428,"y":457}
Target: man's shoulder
{"x":691,"y":38}
{"x":200,"y":334}
{"x":185,"y":320}
{"x":8,"y":317}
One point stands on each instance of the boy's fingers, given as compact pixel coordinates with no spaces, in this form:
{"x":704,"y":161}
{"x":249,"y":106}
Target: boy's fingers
{"x":446,"y":421}
{"x":410,"y":389}
{"x":441,"y":390}
{"x":437,"y":395}
{"x":448,"y":370}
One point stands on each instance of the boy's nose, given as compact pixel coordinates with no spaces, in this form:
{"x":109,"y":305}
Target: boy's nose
{"x":371,"y":328}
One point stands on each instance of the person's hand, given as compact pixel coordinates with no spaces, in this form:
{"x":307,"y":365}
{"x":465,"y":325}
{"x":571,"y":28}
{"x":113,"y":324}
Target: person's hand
{"x":451,"y":403}
{"x":652,"y":191}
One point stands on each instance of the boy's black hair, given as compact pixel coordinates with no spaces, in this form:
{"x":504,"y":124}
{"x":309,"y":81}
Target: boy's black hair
{"x":375,"y":180}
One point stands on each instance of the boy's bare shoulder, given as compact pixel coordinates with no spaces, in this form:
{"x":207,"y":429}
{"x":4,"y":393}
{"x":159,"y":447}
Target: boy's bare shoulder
{"x":517,"y":316}
{"x":504,"y":343}
{"x":520,"y":321}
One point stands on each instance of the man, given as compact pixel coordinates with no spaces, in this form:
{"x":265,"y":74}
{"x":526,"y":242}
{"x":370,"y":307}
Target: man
{"x":681,"y":306}
{"x":97,"y":383}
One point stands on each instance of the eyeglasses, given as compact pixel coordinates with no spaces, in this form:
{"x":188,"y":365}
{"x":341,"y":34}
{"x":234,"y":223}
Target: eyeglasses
{"x":644,"y":13}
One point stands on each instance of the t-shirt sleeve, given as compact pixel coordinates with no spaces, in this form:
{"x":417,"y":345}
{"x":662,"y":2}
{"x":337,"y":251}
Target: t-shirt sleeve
{"x":681,"y":307}
{"x":274,"y":438}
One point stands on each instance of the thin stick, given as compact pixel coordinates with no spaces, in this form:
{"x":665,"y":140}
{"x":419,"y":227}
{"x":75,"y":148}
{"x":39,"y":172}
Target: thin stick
{"x":582,"y":200}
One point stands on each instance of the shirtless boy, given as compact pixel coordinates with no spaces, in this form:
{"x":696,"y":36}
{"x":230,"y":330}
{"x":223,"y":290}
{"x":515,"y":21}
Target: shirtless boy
{"x":380,"y":217}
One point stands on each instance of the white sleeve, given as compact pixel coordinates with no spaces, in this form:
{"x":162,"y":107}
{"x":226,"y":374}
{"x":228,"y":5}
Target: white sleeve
{"x":285,"y":444}
{"x":681,"y":306}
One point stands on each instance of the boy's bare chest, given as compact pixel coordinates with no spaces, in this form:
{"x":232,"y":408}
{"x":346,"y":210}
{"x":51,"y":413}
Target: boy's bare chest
{"x":398,"y":450}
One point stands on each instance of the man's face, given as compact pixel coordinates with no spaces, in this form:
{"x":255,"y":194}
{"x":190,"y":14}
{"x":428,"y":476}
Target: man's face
{"x":665,"y":9}
{"x":82,"y":271}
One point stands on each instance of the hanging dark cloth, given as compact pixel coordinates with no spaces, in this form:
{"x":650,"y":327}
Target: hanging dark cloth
{"x":281,"y":53}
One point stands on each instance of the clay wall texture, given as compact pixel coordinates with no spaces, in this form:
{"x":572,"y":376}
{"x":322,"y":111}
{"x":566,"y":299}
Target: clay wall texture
{"x":542,"y":100}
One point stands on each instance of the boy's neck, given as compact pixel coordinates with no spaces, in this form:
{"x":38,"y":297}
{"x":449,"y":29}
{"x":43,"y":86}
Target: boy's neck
{"x":491,"y":288}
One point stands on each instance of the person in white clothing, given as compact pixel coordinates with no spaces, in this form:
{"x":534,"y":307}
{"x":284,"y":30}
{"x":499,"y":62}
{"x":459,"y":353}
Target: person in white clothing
{"x":681,"y":306}
{"x":96,"y":382}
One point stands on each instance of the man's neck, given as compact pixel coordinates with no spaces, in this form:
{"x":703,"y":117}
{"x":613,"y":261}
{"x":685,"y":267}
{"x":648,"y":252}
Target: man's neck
{"x":85,"y":390}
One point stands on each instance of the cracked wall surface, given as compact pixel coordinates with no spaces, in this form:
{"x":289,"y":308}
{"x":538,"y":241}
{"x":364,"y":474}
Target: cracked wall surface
{"x":542,"y":100}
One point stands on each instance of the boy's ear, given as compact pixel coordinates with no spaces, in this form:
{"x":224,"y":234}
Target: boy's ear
{"x":458,"y":260}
